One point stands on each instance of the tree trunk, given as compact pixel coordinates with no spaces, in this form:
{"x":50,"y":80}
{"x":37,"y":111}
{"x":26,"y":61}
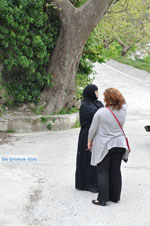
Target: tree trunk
{"x":63,"y":66}
{"x":125,"y":47}
{"x":77,"y":24}
{"x":125,"y":50}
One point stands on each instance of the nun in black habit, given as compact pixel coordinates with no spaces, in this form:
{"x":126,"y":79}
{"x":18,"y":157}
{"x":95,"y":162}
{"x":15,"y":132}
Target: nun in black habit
{"x":86,"y":176}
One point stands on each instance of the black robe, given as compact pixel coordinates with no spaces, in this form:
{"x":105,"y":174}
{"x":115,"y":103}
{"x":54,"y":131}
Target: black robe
{"x":86,"y":176}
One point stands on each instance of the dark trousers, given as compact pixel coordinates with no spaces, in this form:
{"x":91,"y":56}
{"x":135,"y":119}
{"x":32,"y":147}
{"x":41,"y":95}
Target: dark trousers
{"x":109,"y":176}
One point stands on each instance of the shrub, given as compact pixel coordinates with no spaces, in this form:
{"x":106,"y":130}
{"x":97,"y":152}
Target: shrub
{"x":28,"y":33}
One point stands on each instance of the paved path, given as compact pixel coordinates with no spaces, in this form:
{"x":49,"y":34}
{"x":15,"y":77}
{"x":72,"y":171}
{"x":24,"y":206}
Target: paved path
{"x":40,"y":191}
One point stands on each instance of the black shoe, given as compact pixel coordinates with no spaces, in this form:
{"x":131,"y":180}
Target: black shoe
{"x":100,"y":203}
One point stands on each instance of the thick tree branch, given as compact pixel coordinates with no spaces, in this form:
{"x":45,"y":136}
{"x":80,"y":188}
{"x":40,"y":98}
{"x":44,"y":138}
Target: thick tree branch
{"x":83,"y":19}
{"x":120,"y":42}
{"x":63,"y":7}
{"x":92,"y":12}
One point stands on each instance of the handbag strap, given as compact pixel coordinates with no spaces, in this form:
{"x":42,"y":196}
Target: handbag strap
{"x":117,"y":121}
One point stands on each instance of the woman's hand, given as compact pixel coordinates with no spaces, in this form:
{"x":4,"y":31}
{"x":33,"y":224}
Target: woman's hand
{"x":89,"y":144}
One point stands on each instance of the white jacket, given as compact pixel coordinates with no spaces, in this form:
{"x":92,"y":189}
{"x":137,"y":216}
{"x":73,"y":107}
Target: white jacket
{"x":106,"y":133}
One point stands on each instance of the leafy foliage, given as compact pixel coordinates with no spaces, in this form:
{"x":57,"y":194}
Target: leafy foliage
{"x":93,"y":52}
{"x":70,"y":111}
{"x":28,"y":33}
{"x":126,"y":22}
{"x":45,"y":119}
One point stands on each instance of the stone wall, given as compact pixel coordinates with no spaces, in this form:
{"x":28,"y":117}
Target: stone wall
{"x":21,"y":123}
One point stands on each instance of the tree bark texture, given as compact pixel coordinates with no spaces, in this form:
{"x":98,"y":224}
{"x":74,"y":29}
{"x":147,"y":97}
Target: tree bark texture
{"x":76,"y":26}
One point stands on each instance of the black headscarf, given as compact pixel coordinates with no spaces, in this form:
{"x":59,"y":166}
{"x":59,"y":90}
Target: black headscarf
{"x":89,"y":92}
{"x":89,"y":95}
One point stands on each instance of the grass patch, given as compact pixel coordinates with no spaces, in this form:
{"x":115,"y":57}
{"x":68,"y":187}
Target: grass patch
{"x":49,"y":126}
{"x":137,"y":63}
{"x":45,"y":119}
{"x":67,"y":111}
{"x":10,"y":131}
{"x":38,"y":110}
{"x":77,"y":124}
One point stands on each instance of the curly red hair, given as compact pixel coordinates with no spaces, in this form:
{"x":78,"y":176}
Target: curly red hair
{"x":113,"y":98}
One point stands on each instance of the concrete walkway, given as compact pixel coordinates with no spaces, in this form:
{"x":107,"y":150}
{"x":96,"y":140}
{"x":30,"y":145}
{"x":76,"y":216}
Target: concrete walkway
{"x":37,"y":169}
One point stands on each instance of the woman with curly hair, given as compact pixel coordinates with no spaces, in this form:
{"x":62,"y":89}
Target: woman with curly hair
{"x":108,"y":145}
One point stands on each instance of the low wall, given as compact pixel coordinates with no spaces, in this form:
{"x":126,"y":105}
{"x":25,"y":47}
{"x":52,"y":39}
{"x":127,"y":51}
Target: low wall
{"x":28,"y":123}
